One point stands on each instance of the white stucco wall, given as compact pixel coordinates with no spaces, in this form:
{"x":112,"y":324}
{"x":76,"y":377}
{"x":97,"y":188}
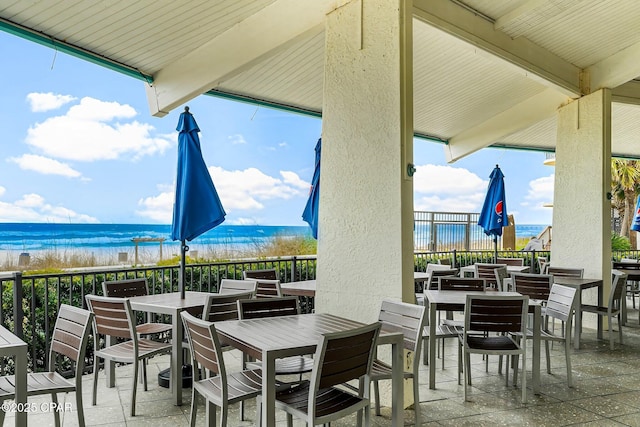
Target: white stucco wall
{"x":581,"y":210}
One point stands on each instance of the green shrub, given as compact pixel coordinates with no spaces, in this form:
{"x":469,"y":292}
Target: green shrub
{"x":620,"y":243}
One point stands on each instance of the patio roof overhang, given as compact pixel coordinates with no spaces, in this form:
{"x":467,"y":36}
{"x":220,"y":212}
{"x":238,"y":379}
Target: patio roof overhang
{"x":486,"y":72}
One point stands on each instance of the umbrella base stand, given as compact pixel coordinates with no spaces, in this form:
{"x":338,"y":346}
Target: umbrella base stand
{"x":187,"y":377}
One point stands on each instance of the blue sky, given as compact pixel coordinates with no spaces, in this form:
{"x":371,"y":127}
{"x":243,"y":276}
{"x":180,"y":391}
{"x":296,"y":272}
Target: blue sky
{"x":78,"y":145}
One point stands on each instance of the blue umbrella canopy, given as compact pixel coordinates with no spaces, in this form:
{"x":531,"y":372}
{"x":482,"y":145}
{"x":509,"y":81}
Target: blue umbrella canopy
{"x":494,"y":211}
{"x":635,"y":225}
{"x":197,"y":207}
{"x":310,"y":213}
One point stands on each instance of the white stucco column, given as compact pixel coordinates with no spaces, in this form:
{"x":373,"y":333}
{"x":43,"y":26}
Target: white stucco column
{"x":581,"y":208}
{"x":365,"y":243}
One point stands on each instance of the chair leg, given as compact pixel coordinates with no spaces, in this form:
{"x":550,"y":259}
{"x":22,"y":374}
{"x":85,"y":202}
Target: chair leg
{"x":194,"y":407}
{"x":416,"y":395}
{"x":135,"y":387}
{"x":620,"y":326}
{"x":96,"y":368}
{"x":376,"y":394}
{"x":611,"y":332}
{"x":1,"y":414}
{"x":506,"y":373}
{"x":548,"y":354}
{"x":211,"y":414}
{"x":54,"y":399}
{"x":467,"y":374}
{"x":567,"y":355}
{"x":425,"y":351}
{"x":143,"y":374}
{"x":224,"y":413}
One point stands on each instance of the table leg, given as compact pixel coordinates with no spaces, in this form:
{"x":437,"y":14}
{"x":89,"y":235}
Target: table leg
{"x":268,"y":389}
{"x":578,"y":325}
{"x":432,"y":345}
{"x":175,"y":379}
{"x":397,"y":388}
{"x":21,"y":385}
{"x":535,"y":368}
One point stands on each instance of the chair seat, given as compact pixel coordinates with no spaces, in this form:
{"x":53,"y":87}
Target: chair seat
{"x":123,"y":352}
{"x":329,"y":401}
{"x":241,"y":385}
{"x":153,"y":328}
{"x":288,"y":365}
{"x":500,"y":342}
{"x":37,"y":383}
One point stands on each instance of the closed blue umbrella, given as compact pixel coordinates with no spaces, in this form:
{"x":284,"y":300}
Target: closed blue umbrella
{"x":635,"y":225}
{"x":310,"y":213}
{"x":494,"y":211}
{"x":197,"y":207}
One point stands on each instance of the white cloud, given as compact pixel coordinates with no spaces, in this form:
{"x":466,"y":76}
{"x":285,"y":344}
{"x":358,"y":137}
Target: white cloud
{"x":45,"y":165}
{"x":283,"y":144}
{"x":540,"y":192}
{"x":237,"y":139}
{"x":239,"y":190}
{"x":243,"y":221}
{"x":2,"y":190}
{"x":33,"y":208}
{"x":448,"y":189}
{"x":96,"y":130}
{"x":41,"y":102}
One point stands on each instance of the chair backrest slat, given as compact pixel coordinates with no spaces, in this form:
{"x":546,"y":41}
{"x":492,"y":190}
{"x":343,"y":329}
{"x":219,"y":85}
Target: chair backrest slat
{"x":125,"y":288}
{"x":344,"y":356}
{"x":271,"y":307}
{"x":461,"y":284}
{"x":220,"y":307}
{"x":495,"y":313}
{"x":268,"y":274}
{"x":487,"y":272}
{"x":234,"y":286}
{"x":111,"y":316}
{"x":205,"y":345}
{"x":268,"y":288}
{"x":560,"y":302}
{"x":71,"y":332}
{"x":565,"y":272}
{"x":434,"y":275}
{"x":510,"y":261}
{"x":536,"y":286}
{"x":409,"y":319}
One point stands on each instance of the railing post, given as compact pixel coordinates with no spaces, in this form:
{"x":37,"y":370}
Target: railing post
{"x":534,"y":264}
{"x":455,"y":259}
{"x":18,"y":314}
{"x":294,"y":268}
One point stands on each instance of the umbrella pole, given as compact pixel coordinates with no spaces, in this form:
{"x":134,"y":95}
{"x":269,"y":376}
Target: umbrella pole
{"x":495,"y":249}
{"x":183,"y":261}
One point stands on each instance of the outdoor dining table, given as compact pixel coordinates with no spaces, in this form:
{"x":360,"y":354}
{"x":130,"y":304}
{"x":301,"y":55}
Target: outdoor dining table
{"x":470,"y":269}
{"x":456,"y":301}
{"x":11,"y":345}
{"x":303,"y":288}
{"x":581,"y":284}
{"x":270,"y":338}
{"x":171,"y":304}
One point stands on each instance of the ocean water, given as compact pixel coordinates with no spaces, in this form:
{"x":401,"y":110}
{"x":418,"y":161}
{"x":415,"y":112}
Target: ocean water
{"x":27,"y":237}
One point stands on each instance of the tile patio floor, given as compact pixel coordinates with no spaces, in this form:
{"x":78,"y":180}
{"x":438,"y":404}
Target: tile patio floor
{"x":607,"y":393}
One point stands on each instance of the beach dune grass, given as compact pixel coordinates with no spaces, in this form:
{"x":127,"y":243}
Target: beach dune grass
{"x":55,"y":259}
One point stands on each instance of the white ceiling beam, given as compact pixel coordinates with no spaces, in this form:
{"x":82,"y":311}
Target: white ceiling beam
{"x":518,"y":14}
{"x":616,"y":69}
{"x":628,"y":93}
{"x":520,"y":116}
{"x":275,"y":27}
{"x":530,"y":59}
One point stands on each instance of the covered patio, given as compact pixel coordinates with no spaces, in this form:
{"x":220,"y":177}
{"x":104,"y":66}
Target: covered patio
{"x":529,"y":74}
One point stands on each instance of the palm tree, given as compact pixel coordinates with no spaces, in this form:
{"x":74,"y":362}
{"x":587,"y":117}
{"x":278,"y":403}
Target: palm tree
{"x":625,"y":175}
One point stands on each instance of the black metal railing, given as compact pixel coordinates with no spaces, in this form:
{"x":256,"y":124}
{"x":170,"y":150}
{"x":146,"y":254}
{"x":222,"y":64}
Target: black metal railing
{"x":29,"y":302}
